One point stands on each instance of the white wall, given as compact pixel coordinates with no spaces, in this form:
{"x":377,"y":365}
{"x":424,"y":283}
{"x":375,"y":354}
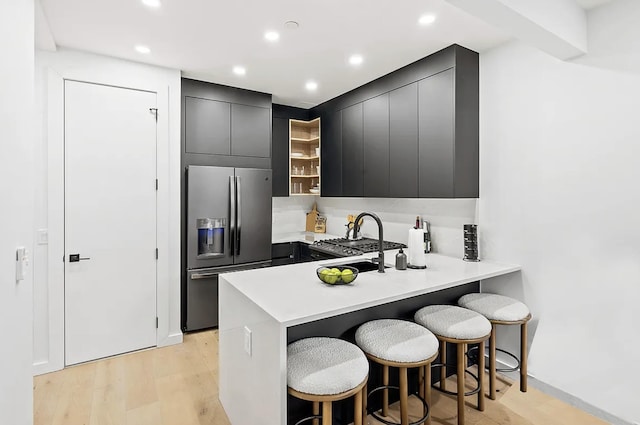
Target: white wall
{"x":398,"y":215}
{"x":16,"y":213}
{"x":559,"y":195}
{"x":51,"y":69}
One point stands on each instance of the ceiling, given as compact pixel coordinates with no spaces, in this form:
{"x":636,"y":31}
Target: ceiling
{"x":205,"y":39}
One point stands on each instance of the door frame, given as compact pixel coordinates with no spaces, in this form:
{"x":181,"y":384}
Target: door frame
{"x":167,"y":217}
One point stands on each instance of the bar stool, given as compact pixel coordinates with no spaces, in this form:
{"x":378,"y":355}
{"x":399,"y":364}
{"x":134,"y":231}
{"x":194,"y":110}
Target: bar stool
{"x":461,"y":327}
{"x":401,"y":344}
{"x":501,"y":310}
{"x":324,"y":370}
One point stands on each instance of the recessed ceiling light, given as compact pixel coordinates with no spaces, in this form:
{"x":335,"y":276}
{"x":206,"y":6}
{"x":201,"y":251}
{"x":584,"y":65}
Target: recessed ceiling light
{"x":143,"y":49}
{"x":151,"y":3}
{"x":355,"y":59}
{"x":271,"y":36}
{"x":291,"y":25}
{"x":426,"y":19}
{"x":311,"y":86}
{"x":239,"y":70}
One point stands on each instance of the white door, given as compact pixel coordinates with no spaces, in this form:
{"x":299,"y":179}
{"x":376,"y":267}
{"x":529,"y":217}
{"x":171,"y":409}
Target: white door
{"x":110,"y":221}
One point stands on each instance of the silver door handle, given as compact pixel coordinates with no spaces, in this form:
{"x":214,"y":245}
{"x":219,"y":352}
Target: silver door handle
{"x":74,"y":258}
{"x":232,"y":212}
{"x":197,"y":276}
{"x":239,"y":214}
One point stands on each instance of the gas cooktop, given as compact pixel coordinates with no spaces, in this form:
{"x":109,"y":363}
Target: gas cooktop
{"x":342,"y":247}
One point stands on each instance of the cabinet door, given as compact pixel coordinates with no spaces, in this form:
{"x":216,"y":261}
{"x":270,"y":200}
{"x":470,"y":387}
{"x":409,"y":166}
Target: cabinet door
{"x":352,"y":155}
{"x":331,"y":154}
{"x":436,"y":135}
{"x":250,"y":131}
{"x":207,"y":126}
{"x":280,"y":156}
{"x":403,"y":146}
{"x":376,"y":146}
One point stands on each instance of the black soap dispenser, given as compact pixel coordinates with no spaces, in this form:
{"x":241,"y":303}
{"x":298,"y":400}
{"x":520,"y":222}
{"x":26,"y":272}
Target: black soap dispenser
{"x":401,"y":260}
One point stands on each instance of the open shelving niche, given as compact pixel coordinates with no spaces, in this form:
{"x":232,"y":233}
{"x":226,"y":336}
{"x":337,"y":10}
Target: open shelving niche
{"x":304,"y":157}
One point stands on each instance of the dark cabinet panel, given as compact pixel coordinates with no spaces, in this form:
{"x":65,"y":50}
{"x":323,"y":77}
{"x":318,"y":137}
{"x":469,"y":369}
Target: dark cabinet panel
{"x":403,"y":142}
{"x":280,"y":156}
{"x":250,"y":131}
{"x":376,"y":146}
{"x":331,"y":154}
{"x":352,"y":151}
{"x":436,"y":136}
{"x":207,"y":126}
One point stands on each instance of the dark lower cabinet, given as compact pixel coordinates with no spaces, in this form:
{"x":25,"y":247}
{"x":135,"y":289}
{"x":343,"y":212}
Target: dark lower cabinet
{"x":403,"y":142}
{"x":436,"y":136}
{"x":376,"y":146}
{"x":290,"y":253}
{"x":352,"y":151}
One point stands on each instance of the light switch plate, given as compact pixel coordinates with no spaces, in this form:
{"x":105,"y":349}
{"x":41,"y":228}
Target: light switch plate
{"x":43,"y":236}
{"x":247,"y":340}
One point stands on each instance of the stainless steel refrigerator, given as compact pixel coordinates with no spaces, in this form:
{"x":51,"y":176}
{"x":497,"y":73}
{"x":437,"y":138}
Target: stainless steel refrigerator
{"x":228,"y":229}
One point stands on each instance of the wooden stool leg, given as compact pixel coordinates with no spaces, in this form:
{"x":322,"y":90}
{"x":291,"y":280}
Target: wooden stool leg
{"x":326,"y":413}
{"x":385,"y":392}
{"x":316,"y":412}
{"x":427,"y":390}
{"x":357,"y":408}
{"x":421,"y":382}
{"x":443,"y":360}
{"x":460,"y":378}
{"x":523,"y":357}
{"x":404,"y":396}
{"x":492,"y":363}
{"x":481,"y":377}
{"x":364,"y":402}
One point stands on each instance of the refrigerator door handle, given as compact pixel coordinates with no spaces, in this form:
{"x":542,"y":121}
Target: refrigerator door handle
{"x":232,"y":212}
{"x":239,"y":214}
{"x":196,"y":276}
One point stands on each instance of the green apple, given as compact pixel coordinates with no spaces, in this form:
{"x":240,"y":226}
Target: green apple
{"x":347,"y":276}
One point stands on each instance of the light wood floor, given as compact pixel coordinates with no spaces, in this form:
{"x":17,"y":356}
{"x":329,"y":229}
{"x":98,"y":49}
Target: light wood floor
{"x":178,"y":385}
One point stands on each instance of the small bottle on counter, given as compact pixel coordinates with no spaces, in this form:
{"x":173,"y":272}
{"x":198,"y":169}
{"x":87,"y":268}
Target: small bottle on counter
{"x":401,"y":260}
{"x":427,"y":236}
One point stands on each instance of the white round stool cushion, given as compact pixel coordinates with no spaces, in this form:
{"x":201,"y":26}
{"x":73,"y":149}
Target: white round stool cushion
{"x":495,"y":307}
{"x":454,"y":322}
{"x":325,"y":366}
{"x":397,"y":340}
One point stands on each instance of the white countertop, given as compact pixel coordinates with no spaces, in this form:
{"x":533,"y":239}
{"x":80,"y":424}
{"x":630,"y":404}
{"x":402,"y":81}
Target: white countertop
{"x":293,"y":294}
{"x":308,"y":237}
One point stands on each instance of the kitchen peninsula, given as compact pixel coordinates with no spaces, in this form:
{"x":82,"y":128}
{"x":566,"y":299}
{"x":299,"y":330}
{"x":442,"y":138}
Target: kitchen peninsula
{"x":262,"y":310}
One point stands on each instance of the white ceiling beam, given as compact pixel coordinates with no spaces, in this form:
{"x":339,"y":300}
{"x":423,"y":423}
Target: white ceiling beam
{"x":43,"y":37}
{"x":558,"y":27}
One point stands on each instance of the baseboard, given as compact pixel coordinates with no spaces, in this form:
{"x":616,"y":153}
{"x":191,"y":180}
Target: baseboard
{"x":564,"y":396}
{"x":40,"y":368}
{"x":172,"y":339}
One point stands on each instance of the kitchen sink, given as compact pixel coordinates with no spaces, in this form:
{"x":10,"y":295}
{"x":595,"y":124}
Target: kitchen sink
{"x":361,"y":265}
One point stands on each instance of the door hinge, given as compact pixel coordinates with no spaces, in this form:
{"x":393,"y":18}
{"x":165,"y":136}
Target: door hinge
{"x":154,"y":111}
{"x":156,"y":253}
{"x":156,"y":184}
{"x":156,"y":323}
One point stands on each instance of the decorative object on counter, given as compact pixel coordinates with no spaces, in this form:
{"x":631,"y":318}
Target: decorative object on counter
{"x":462,"y":327}
{"x":312,"y":217}
{"x":321,"y":225}
{"x":501,"y":310}
{"x":401,"y":260}
{"x":416,"y":249}
{"x":426,"y":228}
{"x":470,"y":242}
{"x":401,"y":344}
{"x":324,"y":370}
{"x":337,"y":275}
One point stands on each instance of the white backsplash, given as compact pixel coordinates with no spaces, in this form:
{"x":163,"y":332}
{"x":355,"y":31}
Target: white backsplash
{"x":398,"y":215}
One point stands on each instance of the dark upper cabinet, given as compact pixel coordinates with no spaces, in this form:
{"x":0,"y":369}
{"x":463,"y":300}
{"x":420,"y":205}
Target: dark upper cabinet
{"x":352,"y":151}
{"x":376,"y":146}
{"x":207,"y":126}
{"x":250,"y":131}
{"x":280,"y":156}
{"x":403,"y":142}
{"x":331,"y":154}
{"x":436,"y":136}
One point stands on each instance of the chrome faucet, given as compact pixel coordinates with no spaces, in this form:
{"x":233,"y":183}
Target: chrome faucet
{"x":380,"y":247}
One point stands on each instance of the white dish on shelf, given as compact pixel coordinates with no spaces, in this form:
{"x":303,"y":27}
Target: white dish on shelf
{"x":297,"y":154}
{"x":314,"y":191}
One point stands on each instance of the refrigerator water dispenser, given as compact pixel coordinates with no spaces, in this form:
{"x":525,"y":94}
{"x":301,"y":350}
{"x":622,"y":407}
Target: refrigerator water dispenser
{"x":210,"y":237}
